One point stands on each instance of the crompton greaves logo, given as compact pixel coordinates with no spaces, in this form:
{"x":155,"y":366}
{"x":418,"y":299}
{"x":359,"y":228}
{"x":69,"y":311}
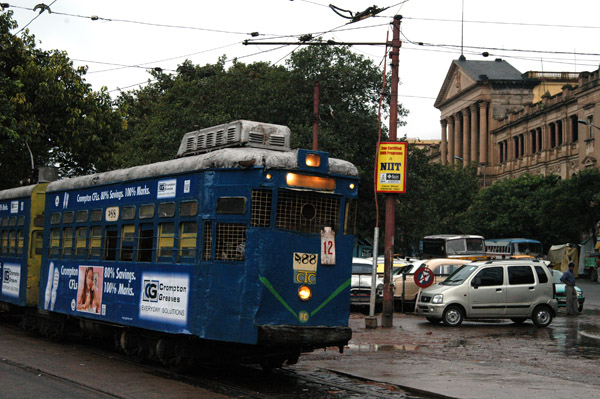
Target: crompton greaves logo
{"x":164,"y":298}
{"x":150,"y":293}
{"x":166,"y":188}
{"x":11,"y":279}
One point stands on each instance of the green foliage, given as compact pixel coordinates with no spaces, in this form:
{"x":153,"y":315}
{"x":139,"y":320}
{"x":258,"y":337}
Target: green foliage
{"x":436,"y":199}
{"x":546,"y":208}
{"x":46,"y":105}
{"x":196,"y":97}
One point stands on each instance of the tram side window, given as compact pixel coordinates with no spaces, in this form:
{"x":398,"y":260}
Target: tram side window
{"x":188,"y":208}
{"x":20,"y":241}
{"x":260,"y":210}
{"x":80,"y":241}
{"x":166,"y":210}
{"x":37,"y":238}
{"x":96,"y":215}
{"x":81,"y":216}
{"x":68,"y":217}
{"x":55,"y":218}
{"x":187,"y":240}
{"x":147,"y":211}
{"x":5,"y":242}
{"x":111,"y":241}
{"x":67,"y":249}
{"x":128,"y":212}
{"x":127,"y":242}
{"x":231,"y":206}
{"x":166,"y":239}
{"x":231,"y":242}
{"x":146,"y":242}
{"x":12,"y":242}
{"x":54,"y":242}
{"x":350,"y":217}
{"x":95,"y":242}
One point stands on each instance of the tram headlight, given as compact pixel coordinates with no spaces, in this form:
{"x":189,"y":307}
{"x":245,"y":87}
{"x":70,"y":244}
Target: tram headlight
{"x":299,"y":180}
{"x":313,"y":160}
{"x":304,"y":293}
{"x":352,"y":186}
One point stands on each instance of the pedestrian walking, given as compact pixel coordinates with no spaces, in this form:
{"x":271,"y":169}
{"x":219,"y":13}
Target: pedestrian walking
{"x":568,"y":278}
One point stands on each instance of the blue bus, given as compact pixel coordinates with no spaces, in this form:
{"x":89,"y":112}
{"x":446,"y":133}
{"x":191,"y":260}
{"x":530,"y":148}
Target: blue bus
{"x":239,"y":248}
{"x":513,"y":248}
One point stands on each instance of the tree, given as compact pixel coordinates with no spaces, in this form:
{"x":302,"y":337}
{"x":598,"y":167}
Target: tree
{"x":46,"y":107}
{"x":196,"y":97}
{"x":435,"y":201}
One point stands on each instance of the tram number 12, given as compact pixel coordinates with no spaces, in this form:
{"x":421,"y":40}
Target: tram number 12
{"x":327,"y":246}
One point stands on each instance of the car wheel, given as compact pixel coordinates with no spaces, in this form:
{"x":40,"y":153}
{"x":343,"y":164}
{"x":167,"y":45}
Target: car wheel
{"x":518,"y":320}
{"x":453,"y":316}
{"x":542,"y":316}
{"x":433,"y":320}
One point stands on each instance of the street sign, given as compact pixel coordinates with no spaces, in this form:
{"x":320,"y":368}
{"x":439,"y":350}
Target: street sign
{"x":423,"y":277}
{"x":391,"y":168}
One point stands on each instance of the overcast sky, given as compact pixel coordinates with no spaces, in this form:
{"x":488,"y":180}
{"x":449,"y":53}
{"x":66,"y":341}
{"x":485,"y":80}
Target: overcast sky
{"x":131,"y":35}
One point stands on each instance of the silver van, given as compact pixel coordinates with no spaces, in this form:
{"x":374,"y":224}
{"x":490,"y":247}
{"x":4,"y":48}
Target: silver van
{"x":496,"y":289}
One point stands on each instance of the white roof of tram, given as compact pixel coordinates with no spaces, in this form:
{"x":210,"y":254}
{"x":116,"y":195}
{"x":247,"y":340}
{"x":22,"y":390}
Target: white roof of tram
{"x":225,"y":158}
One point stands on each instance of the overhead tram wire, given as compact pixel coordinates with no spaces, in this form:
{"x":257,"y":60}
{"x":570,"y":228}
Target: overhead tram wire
{"x":507,"y":23}
{"x":97,"y":18}
{"x":43,"y":8}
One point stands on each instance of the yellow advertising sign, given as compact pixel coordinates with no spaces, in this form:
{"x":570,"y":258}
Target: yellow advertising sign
{"x":391,"y":167}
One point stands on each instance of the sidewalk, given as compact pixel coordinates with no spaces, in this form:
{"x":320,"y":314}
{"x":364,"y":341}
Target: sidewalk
{"x":475,"y":362}
{"x":451,"y":379}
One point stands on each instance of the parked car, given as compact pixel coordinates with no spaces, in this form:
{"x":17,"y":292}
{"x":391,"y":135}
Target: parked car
{"x":498,"y":289}
{"x":360,"y":287}
{"x":404,"y":282}
{"x":560,"y":291}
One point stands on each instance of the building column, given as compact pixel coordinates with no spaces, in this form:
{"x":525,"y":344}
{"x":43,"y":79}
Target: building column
{"x":457,"y":139}
{"x":465,"y":128}
{"x":451,"y":142}
{"x":483,"y":133}
{"x":444,"y":144}
{"x":474,"y":135}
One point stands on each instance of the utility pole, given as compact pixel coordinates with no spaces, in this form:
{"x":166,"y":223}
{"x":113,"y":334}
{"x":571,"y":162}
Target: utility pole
{"x":315,"y":145}
{"x":387,"y":315}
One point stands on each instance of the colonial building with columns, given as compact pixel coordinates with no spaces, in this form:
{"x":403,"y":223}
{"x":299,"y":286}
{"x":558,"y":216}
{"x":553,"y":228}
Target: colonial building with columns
{"x":508,"y":123}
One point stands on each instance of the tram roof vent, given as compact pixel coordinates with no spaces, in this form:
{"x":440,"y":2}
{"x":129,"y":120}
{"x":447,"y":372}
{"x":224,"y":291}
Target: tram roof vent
{"x":235,"y":134}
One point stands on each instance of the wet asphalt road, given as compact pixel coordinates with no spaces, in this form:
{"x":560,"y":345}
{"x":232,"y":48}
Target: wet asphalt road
{"x":568,"y":349}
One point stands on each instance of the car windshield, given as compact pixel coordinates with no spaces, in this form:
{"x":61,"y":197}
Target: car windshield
{"x":556,"y":275}
{"x":459,"y":275}
{"x":362,"y":268}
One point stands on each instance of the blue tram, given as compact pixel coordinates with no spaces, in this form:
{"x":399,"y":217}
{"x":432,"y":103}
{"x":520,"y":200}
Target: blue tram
{"x":238,"y":243}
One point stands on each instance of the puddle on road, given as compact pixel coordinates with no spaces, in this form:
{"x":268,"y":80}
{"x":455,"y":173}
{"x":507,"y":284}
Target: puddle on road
{"x":577,"y":337}
{"x":384,"y":348}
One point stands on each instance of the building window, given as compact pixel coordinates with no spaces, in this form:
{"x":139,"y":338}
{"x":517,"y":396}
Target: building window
{"x":552,"y":127}
{"x":574,"y":129}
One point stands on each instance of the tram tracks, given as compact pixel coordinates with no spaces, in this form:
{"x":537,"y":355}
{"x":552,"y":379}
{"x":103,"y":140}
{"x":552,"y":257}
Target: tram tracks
{"x":238,"y":382}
